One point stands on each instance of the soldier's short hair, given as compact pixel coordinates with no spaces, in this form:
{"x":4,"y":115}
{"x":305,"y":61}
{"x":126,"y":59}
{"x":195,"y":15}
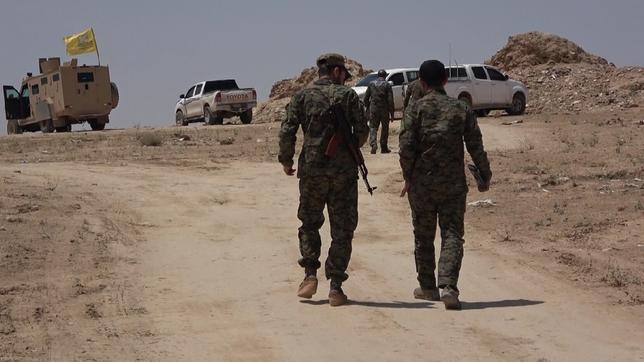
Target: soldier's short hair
{"x":432,"y":72}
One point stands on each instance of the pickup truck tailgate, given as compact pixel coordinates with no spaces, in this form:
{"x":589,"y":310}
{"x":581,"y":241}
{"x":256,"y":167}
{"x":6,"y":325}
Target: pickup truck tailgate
{"x":237,"y":96}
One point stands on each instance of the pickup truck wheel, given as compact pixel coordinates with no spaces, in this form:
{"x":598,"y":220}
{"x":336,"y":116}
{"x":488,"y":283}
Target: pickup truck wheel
{"x":465,"y":98}
{"x":180,"y":119}
{"x":482,"y":112}
{"x":13,"y":127}
{"x":47,"y":126}
{"x":67,"y":128}
{"x":518,"y":105}
{"x":247,"y":116}
{"x":208,"y":117}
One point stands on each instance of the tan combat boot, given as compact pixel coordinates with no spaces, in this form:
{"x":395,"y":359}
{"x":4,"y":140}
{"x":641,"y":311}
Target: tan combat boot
{"x":450,"y":298}
{"x":308,"y":287}
{"x":337,"y":298}
{"x":336,"y":295}
{"x":432,"y":294}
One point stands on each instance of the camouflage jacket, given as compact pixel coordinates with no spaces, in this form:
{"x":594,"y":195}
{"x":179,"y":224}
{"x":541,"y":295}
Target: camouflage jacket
{"x":309,"y":108}
{"x":413,"y":93}
{"x":431,"y":143}
{"x":379,"y":97}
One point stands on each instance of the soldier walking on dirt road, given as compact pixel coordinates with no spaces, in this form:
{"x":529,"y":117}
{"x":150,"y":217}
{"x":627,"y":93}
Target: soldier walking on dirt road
{"x":432,"y":161}
{"x":379,"y":100}
{"x":324,"y":180}
{"x":413,"y":93}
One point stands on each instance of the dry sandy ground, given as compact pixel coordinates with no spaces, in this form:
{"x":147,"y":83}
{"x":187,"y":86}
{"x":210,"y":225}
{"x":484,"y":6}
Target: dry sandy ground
{"x":110,"y":250}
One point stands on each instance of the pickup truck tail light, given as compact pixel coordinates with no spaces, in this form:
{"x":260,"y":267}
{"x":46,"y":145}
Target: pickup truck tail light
{"x":254,"y":94}
{"x":218,"y":97}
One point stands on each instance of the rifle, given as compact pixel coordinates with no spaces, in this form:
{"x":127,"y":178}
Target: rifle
{"x":344,"y":134}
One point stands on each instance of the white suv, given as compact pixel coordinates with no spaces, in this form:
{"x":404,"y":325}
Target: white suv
{"x":399,"y":78}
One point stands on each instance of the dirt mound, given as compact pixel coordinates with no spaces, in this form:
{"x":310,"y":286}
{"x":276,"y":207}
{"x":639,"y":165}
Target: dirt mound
{"x":274,"y":109}
{"x":575,"y":88}
{"x":535,"y":48}
{"x":563,"y":78}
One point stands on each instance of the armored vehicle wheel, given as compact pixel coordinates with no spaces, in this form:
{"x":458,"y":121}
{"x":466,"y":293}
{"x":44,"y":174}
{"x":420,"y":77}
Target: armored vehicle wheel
{"x":97,"y":125}
{"x":518,"y":105}
{"x":13,"y":127}
{"x":115,"y":95}
{"x":180,"y":119}
{"x":208,"y":117}
{"x":47,"y":126}
{"x":67,"y":128}
{"x":247,"y":116}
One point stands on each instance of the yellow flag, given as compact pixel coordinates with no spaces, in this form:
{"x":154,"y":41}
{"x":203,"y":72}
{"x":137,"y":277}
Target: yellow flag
{"x":81,"y":43}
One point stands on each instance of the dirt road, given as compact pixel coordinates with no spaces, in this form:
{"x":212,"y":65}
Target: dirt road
{"x":207,"y":270}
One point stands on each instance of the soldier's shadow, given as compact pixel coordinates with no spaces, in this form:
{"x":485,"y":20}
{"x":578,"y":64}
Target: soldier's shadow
{"x":507,"y":303}
{"x":390,"y":305}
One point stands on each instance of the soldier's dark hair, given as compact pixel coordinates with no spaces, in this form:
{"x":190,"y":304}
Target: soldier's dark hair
{"x":433,"y":73}
{"x":323,"y":69}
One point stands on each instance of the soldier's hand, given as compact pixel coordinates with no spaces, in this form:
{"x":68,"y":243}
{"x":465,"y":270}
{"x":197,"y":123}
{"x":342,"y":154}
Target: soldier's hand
{"x":289,"y":170}
{"x":405,"y":189}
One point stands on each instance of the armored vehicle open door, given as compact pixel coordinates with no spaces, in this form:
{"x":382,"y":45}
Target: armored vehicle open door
{"x":16,"y":105}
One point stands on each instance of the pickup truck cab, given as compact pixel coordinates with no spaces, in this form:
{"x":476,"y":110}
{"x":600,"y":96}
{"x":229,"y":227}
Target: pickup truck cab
{"x":483,"y":87}
{"x":212,"y":101}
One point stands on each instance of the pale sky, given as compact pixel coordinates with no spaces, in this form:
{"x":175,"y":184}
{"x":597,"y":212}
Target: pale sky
{"x":157,"y":49}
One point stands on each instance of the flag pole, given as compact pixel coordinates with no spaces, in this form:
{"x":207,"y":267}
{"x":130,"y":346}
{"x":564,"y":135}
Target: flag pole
{"x":98,"y":55}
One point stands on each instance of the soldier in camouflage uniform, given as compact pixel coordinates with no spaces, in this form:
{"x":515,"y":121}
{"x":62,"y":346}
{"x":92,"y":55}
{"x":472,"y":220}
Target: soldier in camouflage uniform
{"x":324,"y":180}
{"x":413,"y":93}
{"x":379,"y":100}
{"x":431,"y":157}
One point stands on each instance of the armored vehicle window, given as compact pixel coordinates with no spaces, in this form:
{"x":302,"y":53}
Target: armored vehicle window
{"x":198,"y":90}
{"x":55,"y":77}
{"x":11,"y":93}
{"x":191,"y":91}
{"x":397,"y":79}
{"x":85,"y":77}
{"x":495,"y":74}
{"x":25,"y":91}
{"x":479,"y":73}
{"x":43,"y":80}
{"x":34,"y":89}
{"x":412,"y":76}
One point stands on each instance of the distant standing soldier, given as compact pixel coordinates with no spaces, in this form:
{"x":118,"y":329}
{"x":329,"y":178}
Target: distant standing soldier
{"x":413,"y":93}
{"x":324,"y":180}
{"x":431,"y":157}
{"x":379,"y":100}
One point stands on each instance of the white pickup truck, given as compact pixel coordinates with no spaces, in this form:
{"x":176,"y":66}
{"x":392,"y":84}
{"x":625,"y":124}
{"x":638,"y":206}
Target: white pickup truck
{"x":484,"y":87}
{"x":212,"y":101}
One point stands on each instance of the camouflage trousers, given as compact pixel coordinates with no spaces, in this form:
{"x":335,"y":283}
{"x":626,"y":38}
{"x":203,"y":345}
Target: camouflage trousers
{"x":449,"y":211}
{"x":375,"y":120}
{"x":340,"y":195}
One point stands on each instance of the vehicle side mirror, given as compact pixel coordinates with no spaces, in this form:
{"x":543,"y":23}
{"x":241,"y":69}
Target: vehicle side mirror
{"x":182,"y":96}
{"x":506,"y":77}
